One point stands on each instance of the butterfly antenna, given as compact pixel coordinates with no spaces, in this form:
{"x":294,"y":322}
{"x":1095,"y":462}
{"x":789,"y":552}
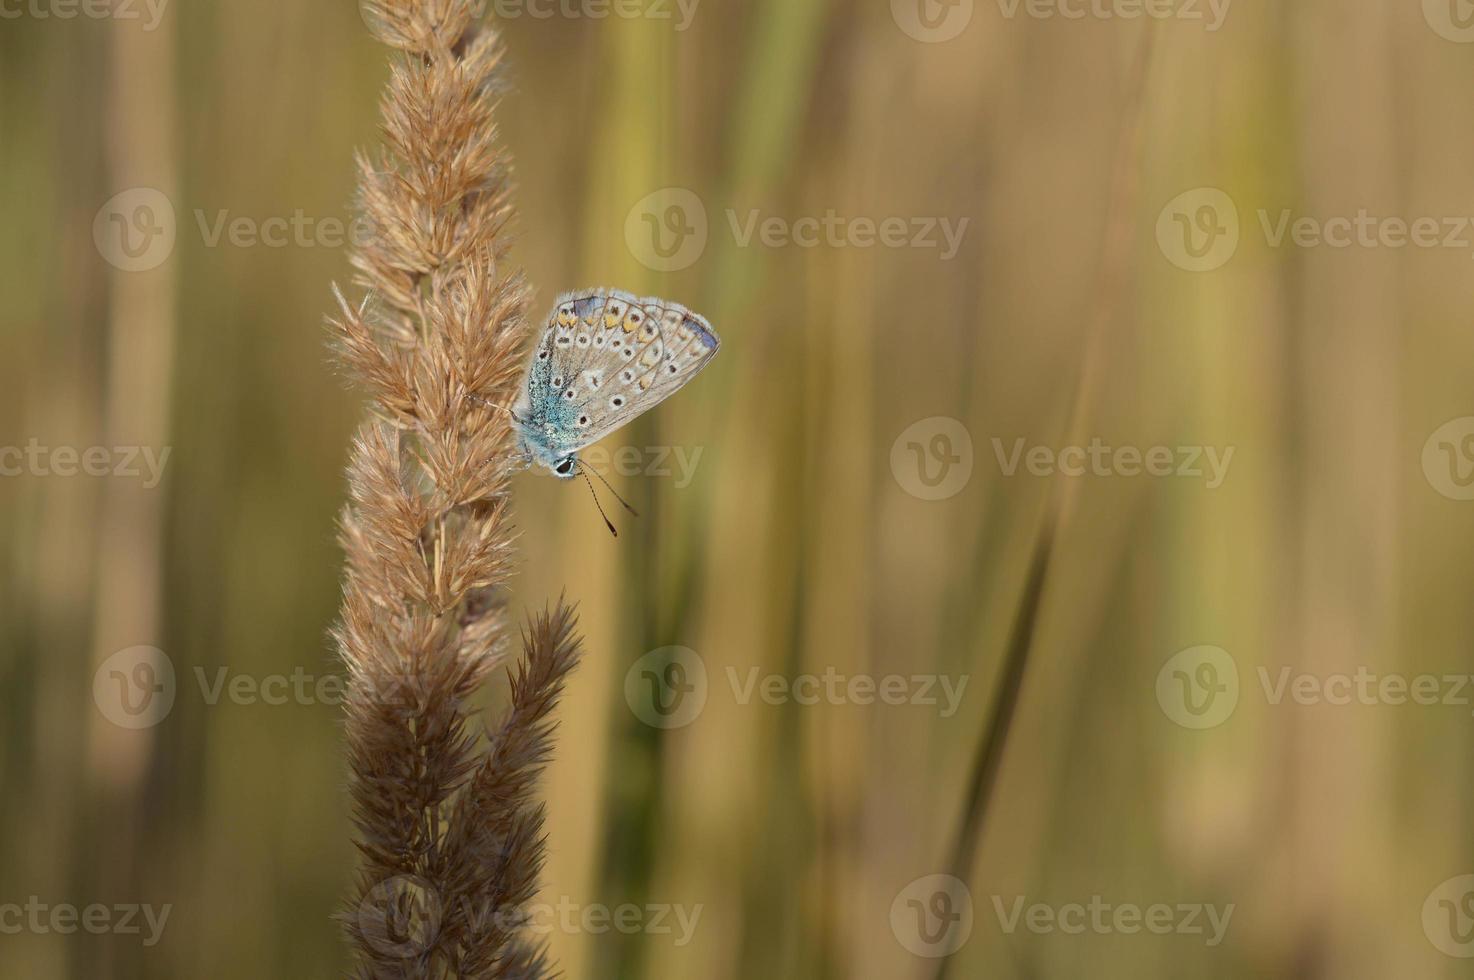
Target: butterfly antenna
{"x":607,"y":522}
{"x":494,"y":406}
{"x":615,"y":492}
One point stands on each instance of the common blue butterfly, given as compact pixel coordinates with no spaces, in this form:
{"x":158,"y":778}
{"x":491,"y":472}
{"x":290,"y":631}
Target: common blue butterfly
{"x":604,"y":357}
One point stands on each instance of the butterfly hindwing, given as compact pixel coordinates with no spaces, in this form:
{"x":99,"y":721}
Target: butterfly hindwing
{"x":607,"y":356}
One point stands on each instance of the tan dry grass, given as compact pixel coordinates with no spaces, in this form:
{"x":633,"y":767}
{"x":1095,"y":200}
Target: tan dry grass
{"x":451,"y":840}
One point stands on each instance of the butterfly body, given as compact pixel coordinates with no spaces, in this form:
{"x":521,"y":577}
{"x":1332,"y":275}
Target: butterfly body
{"x":604,"y":357}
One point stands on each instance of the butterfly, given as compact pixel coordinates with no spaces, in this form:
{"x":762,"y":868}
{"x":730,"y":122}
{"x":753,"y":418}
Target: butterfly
{"x":605,"y":357}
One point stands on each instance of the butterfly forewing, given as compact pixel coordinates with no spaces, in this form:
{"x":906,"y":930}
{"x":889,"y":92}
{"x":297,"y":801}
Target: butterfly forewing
{"x":607,"y":357}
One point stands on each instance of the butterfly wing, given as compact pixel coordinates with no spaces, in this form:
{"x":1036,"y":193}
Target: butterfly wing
{"x":606,"y":357}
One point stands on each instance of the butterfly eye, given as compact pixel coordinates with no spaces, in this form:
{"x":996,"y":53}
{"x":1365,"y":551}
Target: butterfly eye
{"x":583,"y":420}
{"x":558,"y":381}
{"x":570,"y":394}
{"x":627,"y":377}
{"x":617,"y":401}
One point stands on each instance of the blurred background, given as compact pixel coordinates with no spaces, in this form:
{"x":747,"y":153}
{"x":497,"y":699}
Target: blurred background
{"x":1187,"y":283}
